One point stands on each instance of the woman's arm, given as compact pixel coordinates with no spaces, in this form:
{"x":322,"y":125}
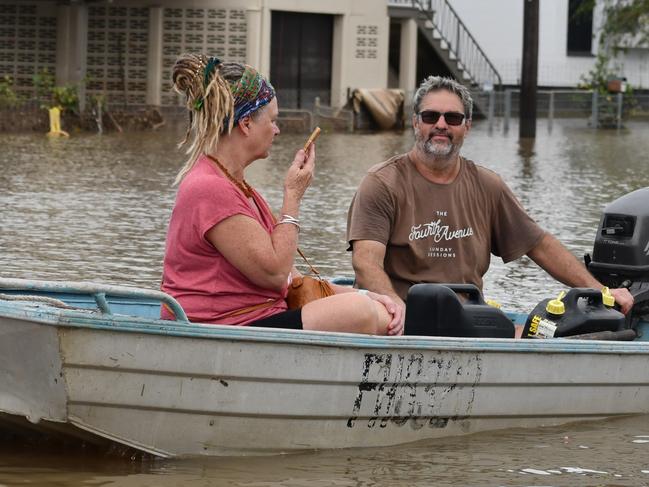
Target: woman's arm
{"x":266,"y":259}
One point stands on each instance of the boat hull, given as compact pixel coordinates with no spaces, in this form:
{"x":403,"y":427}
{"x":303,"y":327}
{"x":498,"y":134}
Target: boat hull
{"x":199,"y":390}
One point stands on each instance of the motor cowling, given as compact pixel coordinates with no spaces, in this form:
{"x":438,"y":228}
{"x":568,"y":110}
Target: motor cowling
{"x":621,"y":250}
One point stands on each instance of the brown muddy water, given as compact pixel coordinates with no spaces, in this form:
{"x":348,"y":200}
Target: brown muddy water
{"x":95,"y":208}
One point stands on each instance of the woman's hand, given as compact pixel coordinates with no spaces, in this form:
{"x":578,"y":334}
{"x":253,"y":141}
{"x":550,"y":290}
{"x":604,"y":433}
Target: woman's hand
{"x":300,"y":173}
{"x":396,"y":310}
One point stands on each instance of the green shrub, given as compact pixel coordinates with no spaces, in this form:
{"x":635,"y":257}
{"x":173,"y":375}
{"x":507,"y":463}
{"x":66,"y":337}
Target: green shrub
{"x":43,"y":83}
{"x":66,"y":97}
{"x":8,"y":97}
{"x":50,"y":95}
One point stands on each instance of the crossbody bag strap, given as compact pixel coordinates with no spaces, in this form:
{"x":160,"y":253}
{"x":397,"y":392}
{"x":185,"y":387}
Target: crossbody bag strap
{"x":313,"y":269}
{"x":299,"y":251}
{"x":240,"y":311}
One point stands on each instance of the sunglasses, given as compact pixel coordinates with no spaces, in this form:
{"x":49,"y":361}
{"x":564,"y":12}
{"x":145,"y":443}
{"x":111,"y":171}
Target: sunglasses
{"x":431,"y":117}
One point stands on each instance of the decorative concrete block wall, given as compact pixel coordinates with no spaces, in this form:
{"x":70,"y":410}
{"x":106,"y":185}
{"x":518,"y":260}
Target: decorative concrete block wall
{"x":220,"y":32}
{"x":117,"y":53}
{"x":27,"y":42}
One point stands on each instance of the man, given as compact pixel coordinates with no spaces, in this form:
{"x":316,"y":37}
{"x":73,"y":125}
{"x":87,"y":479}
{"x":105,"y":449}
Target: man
{"x":431,"y":215}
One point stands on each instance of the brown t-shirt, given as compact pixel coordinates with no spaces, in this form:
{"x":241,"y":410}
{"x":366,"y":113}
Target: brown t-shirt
{"x":439,"y":232}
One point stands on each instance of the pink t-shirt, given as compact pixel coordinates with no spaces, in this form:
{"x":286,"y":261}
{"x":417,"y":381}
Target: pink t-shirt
{"x":194,"y":272}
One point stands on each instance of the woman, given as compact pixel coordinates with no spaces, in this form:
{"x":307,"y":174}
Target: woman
{"x":228,"y":260}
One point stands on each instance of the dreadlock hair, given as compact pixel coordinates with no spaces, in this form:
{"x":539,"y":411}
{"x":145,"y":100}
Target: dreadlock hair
{"x":205,"y":82}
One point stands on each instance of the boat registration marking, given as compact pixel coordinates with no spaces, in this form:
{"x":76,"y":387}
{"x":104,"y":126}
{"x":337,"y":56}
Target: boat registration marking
{"x":417,"y":388}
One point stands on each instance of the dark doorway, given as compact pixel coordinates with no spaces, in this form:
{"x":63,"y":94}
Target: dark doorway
{"x":394,"y":54}
{"x":300,"y":58}
{"x":428,"y":61}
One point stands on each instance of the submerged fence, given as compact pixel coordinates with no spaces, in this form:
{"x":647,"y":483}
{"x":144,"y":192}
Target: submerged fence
{"x":323,"y":116}
{"x":601,"y":110}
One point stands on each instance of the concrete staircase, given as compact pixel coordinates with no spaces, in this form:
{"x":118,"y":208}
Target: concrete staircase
{"x":451,"y":40}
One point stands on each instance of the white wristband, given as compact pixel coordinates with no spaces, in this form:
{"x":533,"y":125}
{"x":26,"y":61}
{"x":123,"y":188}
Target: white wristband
{"x":363,"y":291}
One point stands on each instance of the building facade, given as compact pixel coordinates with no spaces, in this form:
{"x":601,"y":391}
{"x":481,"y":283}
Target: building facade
{"x":567,"y":44}
{"x":125,"y":49}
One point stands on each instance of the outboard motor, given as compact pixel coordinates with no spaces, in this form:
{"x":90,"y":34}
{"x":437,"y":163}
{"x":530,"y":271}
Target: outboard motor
{"x":621,"y":252}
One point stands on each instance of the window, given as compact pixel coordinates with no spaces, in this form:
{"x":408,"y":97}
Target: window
{"x":580,"y":29}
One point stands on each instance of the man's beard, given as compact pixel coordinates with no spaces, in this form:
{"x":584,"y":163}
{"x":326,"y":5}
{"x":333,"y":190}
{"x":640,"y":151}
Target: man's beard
{"x":436,"y":149}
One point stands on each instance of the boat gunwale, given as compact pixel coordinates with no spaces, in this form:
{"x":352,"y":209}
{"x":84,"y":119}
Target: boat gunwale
{"x":45,"y":314}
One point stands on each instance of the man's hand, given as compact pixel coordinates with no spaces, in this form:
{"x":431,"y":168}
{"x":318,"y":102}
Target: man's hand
{"x":563,"y":266}
{"x":623,"y":298}
{"x":367,"y":259}
{"x":396,"y":308}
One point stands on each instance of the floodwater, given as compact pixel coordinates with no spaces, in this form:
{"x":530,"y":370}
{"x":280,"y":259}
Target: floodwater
{"x":95,"y":208}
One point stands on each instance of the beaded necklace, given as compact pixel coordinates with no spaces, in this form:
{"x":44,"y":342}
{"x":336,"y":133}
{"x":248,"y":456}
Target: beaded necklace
{"x":244,"y":187}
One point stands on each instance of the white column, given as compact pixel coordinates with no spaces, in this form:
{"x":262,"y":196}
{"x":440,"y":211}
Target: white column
{"x":338,"y":62}
{"x":154,"y":65}
{"x":80,"y":45}
{"x":264,"y":51}
{"x":408,"y":56}
{"x":63,"y":60}
{"x":253,"y":41}
{"x":72,"y":47}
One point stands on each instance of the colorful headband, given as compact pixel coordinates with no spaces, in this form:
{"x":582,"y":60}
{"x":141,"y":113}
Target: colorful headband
{"x":250,"y":93}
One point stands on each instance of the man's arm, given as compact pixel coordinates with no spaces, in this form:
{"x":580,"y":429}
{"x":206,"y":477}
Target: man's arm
{"x":557,"y":261}
{"x":367,"y":260}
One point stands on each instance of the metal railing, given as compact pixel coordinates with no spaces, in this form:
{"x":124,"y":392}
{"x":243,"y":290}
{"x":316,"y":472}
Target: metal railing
{"x":598,"y":110}
{"x":295,"y":120}
{"x":329,"y":118}
{"x":333,"y":118}
{"x":447,"y":26}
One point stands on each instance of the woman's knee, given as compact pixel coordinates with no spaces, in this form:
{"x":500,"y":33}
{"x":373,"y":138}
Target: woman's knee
{"x":367,"y":314}
{"x":372,"y":316}
{"x":353,"y":312}
{"x":383,"y":318}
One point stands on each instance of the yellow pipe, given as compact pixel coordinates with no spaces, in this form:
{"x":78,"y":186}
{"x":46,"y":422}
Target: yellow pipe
{"x":55,"y":123}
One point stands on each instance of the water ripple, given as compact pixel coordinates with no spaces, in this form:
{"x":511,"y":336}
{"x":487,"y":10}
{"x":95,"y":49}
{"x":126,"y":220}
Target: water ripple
{"x":96,"y":208}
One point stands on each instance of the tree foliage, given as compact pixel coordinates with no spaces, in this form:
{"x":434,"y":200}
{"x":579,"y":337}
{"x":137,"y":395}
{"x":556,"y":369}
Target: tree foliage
{"x":624,"y":24}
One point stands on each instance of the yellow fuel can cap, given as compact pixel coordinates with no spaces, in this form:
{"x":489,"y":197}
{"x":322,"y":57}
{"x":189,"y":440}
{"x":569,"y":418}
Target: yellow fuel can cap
{"x":556,"y":306}
{"x":493,"y":302}
{"x":607,"y":298}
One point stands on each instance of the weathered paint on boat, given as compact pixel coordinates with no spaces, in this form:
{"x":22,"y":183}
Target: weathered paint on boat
{"x":178,"y":388}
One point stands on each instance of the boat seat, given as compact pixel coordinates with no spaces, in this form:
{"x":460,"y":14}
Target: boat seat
{"x":437,"y":310}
